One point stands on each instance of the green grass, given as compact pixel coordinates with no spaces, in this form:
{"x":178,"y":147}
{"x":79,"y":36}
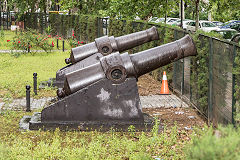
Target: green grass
{"x":8,"y":35}
{"x":15,"y":144}
{"x":16,"y":73}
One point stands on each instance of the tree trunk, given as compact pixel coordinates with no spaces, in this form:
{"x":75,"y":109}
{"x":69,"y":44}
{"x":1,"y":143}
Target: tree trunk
{"x":166,"y":8}
{"x":197,"y":14}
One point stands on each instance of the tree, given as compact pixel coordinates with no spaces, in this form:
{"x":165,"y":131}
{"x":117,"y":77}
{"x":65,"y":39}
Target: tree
{"x":144,"y":9}
{"x":225,"y":10}
{"x":197,"y":14}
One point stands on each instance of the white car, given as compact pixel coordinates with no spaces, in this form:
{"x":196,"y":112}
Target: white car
{"x":206,"y":26}
{"x":185,"y":22}
{"x":156,"y":20}
{"x":227,"y":33}
{"x":171,"y":20}
{"x":168,"y":20}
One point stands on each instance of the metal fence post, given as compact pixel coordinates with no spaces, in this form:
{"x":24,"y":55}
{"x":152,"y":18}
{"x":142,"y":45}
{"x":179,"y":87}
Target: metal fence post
{"x":28,"y":98}
{"x":233,"y":87}
{"x":7,"y":20}
{"x":182,"y":86}
{"x":98,"y":27}
{"x":28,"y":47}
{"x":190,"y":90}
{"x":35,"y":83}
{"x":106,"y":26}
{"x":63,"y":46}
{"x":210,"y":83}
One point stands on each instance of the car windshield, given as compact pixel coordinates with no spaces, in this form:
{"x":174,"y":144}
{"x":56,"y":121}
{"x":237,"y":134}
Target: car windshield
{"x":208,"y":24}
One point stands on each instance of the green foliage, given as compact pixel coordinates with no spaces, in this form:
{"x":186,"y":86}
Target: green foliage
{"x":83,"y":27}
{"x":85,"y":7}
{"x":222,"y":144}
{"x":48,"y":30}
{"x":2,"y":33}
{"x":31,"y":39}
{"x":92,"y":30}
{"x":225,"y":10}
{"x":129,"y":9}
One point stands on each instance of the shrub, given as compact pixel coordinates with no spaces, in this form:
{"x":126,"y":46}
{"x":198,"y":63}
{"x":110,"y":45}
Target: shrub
{"x":221,"y":144}
{"x":74,"y":42}
{"x":31,"y":39}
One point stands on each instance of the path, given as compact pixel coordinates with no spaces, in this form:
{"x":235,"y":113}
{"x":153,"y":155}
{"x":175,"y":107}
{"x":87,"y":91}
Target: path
{"x":151,"y":101}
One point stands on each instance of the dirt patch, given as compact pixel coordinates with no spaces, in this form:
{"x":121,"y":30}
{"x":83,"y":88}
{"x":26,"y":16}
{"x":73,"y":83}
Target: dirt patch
{"x":148,"y":86}
{"x":185,"y":118}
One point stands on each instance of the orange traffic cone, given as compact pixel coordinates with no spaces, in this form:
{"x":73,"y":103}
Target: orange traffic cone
{"x":164,"y":88}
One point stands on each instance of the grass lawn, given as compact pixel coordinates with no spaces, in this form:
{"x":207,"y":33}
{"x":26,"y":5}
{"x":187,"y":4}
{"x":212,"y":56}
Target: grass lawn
{"x":16,"y":73}
{"x":171,"y":143}
{"x":16,"y":144}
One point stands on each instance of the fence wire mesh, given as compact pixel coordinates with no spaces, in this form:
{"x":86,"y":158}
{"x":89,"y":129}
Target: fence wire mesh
{"x":222,"y":67}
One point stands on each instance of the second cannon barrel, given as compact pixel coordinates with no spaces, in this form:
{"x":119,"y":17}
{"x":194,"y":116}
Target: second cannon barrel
{"x":106,"y":45}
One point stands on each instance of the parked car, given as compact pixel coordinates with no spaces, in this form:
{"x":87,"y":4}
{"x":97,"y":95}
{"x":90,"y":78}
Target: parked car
{"x":236,"y":27}
{"x":171,"y":20}
{"x":226,"y":33}
{"x":156,"y":19}
{"x":217,"y":23}
{"x":231,"y":24}
{"x":206,"y":26}
{"x":185,"y":22}
{"x":168,"y":20}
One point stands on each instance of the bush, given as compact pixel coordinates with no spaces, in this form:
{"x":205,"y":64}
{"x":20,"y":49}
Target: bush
{"x":221,"y":144}
{"x":31,"y":39}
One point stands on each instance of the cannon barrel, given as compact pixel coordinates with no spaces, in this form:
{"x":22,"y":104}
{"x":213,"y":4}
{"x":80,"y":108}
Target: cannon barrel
{"x":151,"y":59}
{"x":106,"y":45}
{"x":117,"y":67}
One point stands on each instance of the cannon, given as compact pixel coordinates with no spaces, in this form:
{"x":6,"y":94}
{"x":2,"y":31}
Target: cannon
{"x":87,"y":54}
{"x":105,"y":95}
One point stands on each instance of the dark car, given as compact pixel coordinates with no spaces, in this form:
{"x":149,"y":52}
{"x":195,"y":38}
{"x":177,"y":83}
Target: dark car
{"x":232,"y":25}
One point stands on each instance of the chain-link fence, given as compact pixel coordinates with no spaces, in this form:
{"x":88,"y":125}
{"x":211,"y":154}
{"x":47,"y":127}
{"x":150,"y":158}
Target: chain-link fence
{"x":209,"y":81}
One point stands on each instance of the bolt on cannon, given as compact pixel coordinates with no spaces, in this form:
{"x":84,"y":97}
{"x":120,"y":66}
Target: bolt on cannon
{"x":104,"y":94}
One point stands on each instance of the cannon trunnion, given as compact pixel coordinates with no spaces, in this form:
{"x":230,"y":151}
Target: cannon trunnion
{"x":104,"y":94}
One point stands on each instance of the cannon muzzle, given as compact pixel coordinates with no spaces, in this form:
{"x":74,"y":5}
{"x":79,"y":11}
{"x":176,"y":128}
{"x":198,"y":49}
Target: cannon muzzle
{"x":106,"y":45}
{"x":117,"y":67}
